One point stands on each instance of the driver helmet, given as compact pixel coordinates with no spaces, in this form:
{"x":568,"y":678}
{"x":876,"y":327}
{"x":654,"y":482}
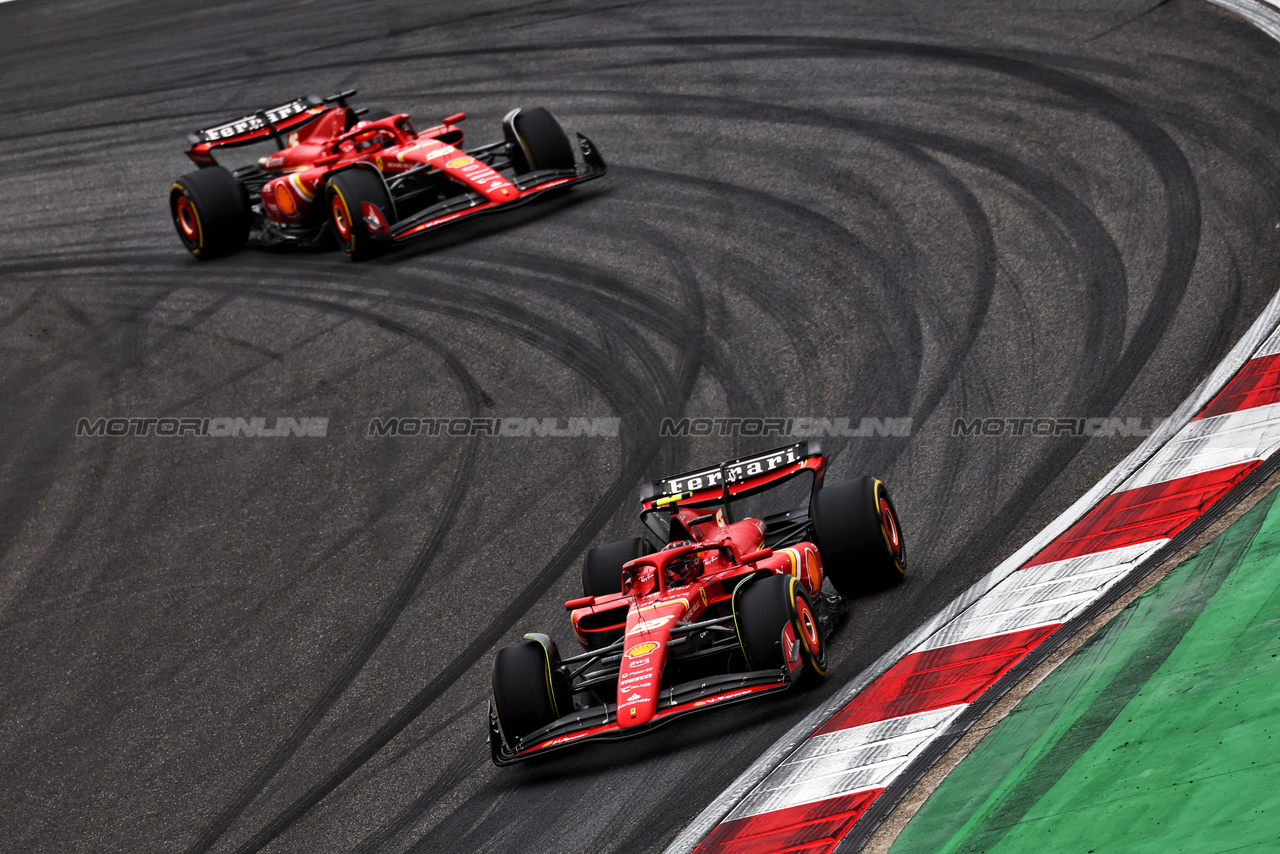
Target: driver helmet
{"x":683,"y":569}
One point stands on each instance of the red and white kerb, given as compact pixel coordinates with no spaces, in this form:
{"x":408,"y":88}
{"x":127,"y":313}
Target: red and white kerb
{"x":817,"y":794}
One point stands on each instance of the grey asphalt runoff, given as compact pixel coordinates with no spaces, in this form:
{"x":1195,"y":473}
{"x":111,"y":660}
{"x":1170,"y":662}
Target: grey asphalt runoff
{"x":922,"y":210}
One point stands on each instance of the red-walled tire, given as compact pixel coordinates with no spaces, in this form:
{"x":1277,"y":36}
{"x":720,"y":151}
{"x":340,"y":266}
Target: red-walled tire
{"x":761,"y":611}
{"x":209,"y":212}
{"x":858,"y":536}
{"x":345,"y":196}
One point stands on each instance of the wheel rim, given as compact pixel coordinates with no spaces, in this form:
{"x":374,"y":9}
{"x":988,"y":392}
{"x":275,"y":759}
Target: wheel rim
{"x":188,"y":222}
{"x":811,"y":635}
{"x":892,"y":536}
{"x":341,"y":220}
{"x":809,"y":627}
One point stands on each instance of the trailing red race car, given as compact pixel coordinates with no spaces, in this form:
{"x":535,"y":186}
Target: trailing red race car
{"x":367,"y":180}
{"x":726,"y":610}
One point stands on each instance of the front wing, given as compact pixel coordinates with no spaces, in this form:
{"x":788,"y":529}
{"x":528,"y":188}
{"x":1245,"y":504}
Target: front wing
{"x":599,"y":723}
{"x":472,"y":204}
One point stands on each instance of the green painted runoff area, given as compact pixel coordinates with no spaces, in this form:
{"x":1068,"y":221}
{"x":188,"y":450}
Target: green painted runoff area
{"x":1161,"y":734}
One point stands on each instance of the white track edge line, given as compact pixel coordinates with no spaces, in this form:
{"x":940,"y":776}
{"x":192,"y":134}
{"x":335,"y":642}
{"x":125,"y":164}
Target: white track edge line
{"x":1261,"y":13}
{"x":715,"y":812}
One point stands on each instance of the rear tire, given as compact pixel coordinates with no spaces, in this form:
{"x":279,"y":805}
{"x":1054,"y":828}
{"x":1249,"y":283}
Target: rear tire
{"x":537,"y":141}
{"x":858,"y":536}
{"x":345,"y":196}
{"x":525,"y":696}
{"x":602,"y":565}
{"x":761,"y":612}
{"x":210,"y":212}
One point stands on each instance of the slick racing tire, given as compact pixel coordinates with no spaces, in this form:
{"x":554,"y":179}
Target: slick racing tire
{"x":347,"y":194}
{"x":858,"y":536}
{"x":210,"y":212}
{"x":537,"y":141}
{"x":602,"y":566}
{"x":762,"y":610}
{"x":526,"y":691}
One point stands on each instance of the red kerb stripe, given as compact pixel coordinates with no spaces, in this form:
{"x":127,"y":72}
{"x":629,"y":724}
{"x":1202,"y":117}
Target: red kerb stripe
{"x":1256,"y":384}
{"x":1144,"y":514}
{"x":937,"y":678}
{"x":812,"y":828}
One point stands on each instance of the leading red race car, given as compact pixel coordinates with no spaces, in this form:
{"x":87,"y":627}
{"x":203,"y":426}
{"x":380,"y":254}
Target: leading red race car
{"x":368,"y":180}
{"x":726,"y":610}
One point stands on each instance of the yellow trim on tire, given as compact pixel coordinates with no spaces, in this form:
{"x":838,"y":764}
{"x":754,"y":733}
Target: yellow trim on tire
{"x":546,"y":657}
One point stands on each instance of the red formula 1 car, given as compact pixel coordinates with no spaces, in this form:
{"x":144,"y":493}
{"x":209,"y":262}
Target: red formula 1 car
{"x":725,"y":610}
{"x":367,"y":180}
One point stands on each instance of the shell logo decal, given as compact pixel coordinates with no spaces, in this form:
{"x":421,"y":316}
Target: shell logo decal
{"x":458,"y":162}
{"x":641,"y":649}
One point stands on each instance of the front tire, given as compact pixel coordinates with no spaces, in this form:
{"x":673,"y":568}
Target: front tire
{"x":602,"y":565}
{"x":526,"y":693}
{"x":762,"y":611}
{"x":537,"y":141}
{"x":210,"y":212}
{"x":858,"y":536}
{"x":346,"y":195}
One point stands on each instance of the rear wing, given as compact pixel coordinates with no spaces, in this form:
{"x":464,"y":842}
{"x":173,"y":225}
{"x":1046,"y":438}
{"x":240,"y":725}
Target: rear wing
{"x":274,"y":123}
{"x":734,"y":478}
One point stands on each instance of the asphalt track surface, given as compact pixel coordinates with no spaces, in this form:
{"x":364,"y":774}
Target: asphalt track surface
{"x":884,"y":209}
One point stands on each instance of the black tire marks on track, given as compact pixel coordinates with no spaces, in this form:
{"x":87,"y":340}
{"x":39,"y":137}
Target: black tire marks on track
{"x":510,"y":319}
{"x":647,"y":350}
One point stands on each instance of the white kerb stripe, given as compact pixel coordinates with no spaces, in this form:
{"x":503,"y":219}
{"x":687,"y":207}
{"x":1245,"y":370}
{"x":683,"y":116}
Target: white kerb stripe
{"x":1272,"y":345}
{"x":850,"y":760}
{"x":1213,"y":443}
{"x":1041,"y":595}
